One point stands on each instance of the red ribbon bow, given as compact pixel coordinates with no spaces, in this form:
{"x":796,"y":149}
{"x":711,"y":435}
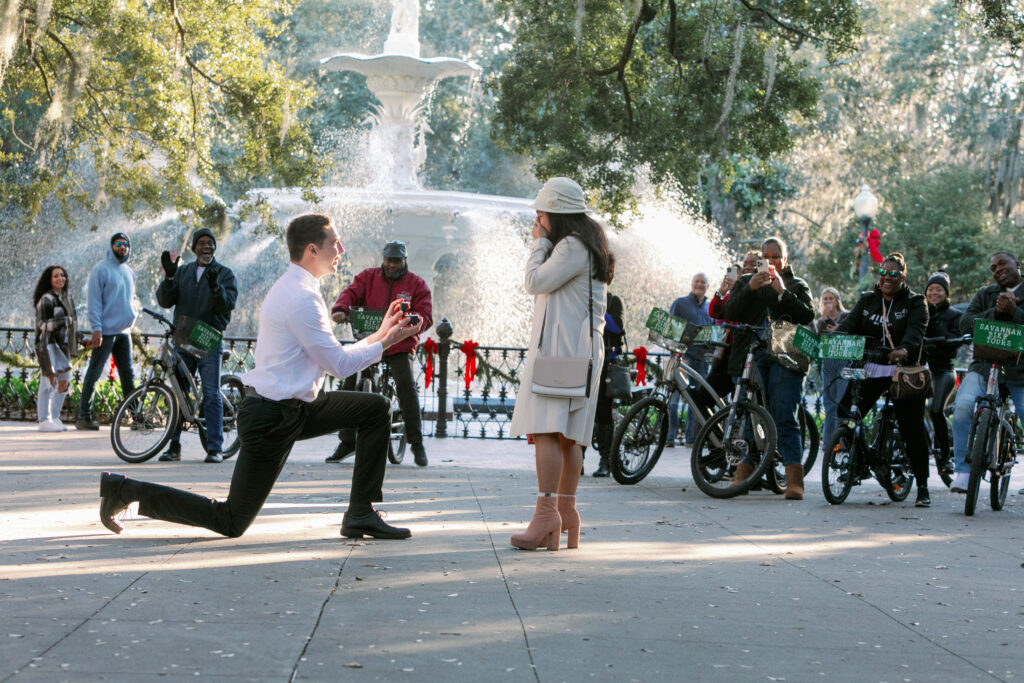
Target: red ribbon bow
{"x":469,"y":348}
{"x":112,"y":368}
{"x":430,"y":347}
{"x":641,"y":365}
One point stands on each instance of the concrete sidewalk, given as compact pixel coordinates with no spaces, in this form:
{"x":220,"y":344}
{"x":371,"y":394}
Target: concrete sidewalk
{"x":667,"y":585}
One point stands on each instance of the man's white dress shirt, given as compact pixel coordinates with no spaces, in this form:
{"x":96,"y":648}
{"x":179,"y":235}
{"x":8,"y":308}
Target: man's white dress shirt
{"x":295,"y":346}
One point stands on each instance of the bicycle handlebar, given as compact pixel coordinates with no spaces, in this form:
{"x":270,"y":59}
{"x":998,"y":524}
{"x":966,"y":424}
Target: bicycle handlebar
{"x":159,"y":318}
{"x":965,"y":339}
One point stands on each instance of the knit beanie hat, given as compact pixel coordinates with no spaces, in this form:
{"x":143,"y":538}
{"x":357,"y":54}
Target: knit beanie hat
{"x":938,"y":278}
{"x":120,"y":236}
{"x":203,"y":232}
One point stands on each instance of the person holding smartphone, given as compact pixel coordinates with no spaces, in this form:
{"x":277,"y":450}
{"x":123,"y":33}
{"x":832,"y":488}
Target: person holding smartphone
{"x":772,"y":293}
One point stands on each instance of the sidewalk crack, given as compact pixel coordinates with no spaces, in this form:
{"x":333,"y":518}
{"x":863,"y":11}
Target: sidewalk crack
{"x":320,"y":615}
{"x":504,"y":578}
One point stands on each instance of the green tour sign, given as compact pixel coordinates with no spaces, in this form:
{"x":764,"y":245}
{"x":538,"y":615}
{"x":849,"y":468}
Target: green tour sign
{"x":665,"y":324}
{"x":999,"y":335}
{"x":363,"y":320}
{"x":841,"y":346}
{"x":806,"y":342}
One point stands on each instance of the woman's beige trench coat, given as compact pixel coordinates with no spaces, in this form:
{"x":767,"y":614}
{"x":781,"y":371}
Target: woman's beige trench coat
{"x":558,"y":278}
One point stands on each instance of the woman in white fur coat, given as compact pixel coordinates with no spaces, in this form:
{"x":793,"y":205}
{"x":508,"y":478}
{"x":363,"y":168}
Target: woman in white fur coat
{"x":568,"y":265}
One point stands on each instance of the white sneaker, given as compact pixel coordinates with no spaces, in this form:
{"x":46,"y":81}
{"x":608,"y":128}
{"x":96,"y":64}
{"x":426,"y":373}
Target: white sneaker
{"x":56,"y":421}
{"x":49,"y":426}
{"x":960,"y":482}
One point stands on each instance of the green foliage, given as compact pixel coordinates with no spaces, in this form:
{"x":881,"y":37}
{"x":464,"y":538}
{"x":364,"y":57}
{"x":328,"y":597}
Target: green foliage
{"x":938,"y":221}
{"x":667,"y":89}
{"x":1003,"y":19}
{"x":149,"y":104}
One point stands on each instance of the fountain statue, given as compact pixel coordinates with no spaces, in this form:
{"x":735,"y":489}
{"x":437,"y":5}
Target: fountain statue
{"x":470,"y":248}
{"x":400,"y":80}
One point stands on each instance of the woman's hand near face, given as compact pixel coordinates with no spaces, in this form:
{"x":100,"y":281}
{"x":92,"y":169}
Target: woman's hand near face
{"x":538,"y":230}
{"x":726,"y":286}
{"x":776,"y":281}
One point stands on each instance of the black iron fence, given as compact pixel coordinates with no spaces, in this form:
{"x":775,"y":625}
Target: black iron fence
{"x":457,"y":402}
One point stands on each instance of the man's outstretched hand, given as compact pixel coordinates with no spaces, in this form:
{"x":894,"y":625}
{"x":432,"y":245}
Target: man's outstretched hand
{"x":170,"y":265}
{"x":396,"y":326}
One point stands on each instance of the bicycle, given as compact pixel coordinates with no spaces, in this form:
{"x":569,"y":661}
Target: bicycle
{"x":741,"y":432}
{"x":146,"y":418}
{"x":943,"y":459}
{"x":994,"y":438}
{"x":639,"y":438}
{"x":377,"y":380}
{"x":849,"y":458}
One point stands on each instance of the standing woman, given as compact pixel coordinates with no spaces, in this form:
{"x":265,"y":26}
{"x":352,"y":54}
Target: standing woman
{"x":55,"y":324}
{"x":772,"y":294}
{"x":943,"y":321}
{"x":893,"y":320}
{"x":567,"y":272}
{"x":831,"y":313}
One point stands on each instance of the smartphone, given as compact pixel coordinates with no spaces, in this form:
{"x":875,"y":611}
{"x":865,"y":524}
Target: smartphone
{"x":732,"y":272}
{"x":763,"y":266}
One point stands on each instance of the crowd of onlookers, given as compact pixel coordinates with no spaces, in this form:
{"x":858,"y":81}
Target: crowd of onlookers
{"x":900,"y":326}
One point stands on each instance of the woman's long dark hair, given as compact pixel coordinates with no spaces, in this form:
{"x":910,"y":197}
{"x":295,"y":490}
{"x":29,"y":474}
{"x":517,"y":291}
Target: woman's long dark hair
{"x":588,"y":231}
{"x":44,"y":286}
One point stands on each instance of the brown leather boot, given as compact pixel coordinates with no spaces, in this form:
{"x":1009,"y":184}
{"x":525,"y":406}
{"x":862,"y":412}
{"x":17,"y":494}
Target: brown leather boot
{"x":795,"y":482}
{"x":742,"y":473}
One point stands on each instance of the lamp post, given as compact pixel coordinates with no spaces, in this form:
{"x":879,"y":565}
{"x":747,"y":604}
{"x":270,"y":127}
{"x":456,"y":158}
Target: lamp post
{"x":865,"y":206}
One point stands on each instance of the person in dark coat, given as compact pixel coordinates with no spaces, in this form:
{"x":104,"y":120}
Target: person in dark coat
{"x":892,"y":319}
{"x":374,"y":289}
{"x":943,"y":321}
{"x":614,"y":337}
{"x":204,"y":290}
{"x":771,"y":294}
{"x":1002,"y":300}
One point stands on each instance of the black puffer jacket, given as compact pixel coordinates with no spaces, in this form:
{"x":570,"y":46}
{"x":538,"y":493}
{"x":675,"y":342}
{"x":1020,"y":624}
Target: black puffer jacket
{"x":907,"y":318}
{"x":943,"y":321}
{"x":756,"y":306}
{"x":983,"y":306}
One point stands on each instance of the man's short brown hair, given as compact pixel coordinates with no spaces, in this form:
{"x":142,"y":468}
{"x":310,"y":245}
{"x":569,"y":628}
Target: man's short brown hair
{"x":309,"y":228}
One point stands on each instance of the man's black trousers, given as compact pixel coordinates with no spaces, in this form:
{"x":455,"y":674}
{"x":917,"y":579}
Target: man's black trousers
{"x":268,"y":430}
{"x":401,"y":367}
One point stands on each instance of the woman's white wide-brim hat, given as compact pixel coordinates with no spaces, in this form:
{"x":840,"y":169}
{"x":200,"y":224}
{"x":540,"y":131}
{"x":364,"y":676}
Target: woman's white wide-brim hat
{"x":560,"y":195}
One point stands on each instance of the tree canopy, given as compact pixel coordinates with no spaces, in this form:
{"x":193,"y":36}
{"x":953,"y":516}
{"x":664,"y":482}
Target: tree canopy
{"x":689,"y":92}
{"x":149,"y":103}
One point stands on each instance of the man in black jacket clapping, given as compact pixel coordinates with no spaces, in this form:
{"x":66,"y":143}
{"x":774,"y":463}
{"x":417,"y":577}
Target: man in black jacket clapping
{"x":202,"y":290}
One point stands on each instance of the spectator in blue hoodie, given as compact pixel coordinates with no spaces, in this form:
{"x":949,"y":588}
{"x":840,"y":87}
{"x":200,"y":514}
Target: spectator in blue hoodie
{"x":111,"y":316}
{"x":203,"y":290}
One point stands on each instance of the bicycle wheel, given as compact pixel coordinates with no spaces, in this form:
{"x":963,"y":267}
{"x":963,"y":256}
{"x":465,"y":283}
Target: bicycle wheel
{"x":810,"y":438}
{"x":898,"y":478}
{"x":978,"y":450}
{"x":1000,"y":478}
{"x":232,"y":391}
{"x":741,"y":433}
{"x":143,"y":423}
{"x":775,"y":477}
{"x":396,"y":441}
{"x":838,"y":465}
{"x":639,"y":440}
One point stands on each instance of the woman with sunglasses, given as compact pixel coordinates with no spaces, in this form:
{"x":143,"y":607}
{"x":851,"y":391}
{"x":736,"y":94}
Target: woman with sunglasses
{"x":892,"y":319}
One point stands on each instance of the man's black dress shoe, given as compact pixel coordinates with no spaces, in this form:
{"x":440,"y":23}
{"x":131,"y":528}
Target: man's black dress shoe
{"x":110,"y":500}
{"x":341,"y":452}
{"x":371,"y":525}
